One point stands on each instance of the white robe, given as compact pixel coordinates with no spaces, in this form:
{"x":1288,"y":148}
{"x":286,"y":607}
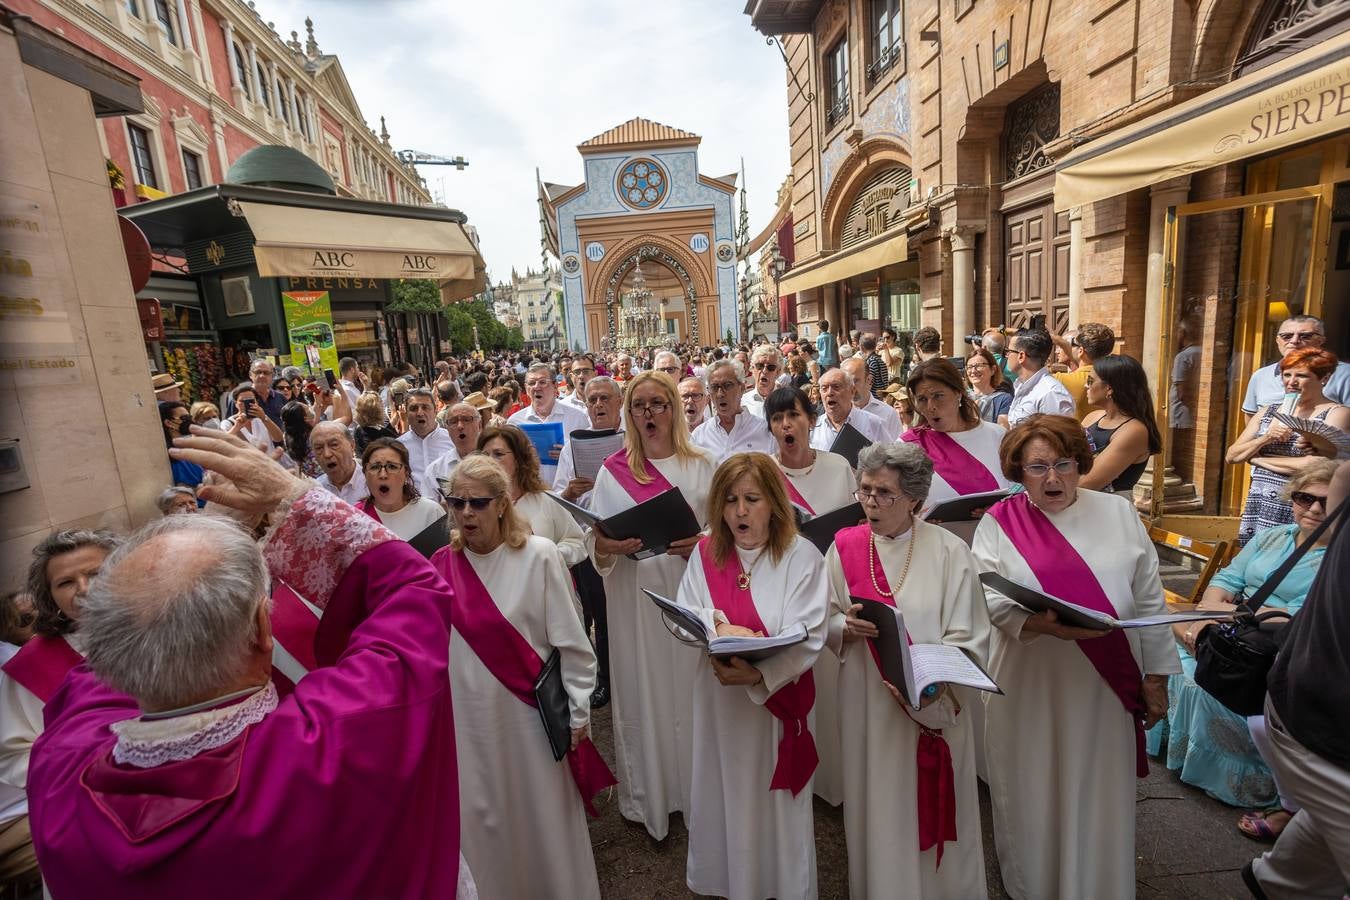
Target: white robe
{"x":942,"y":604}
{"x":21,"y":724}
{"x":827,"y":485}
{"x":412,"y":519}
{"x":549,"y":520}
{"x":1059,"y":744}
{"x":650,"y":671}
{"x":522,"y":822}
{"x":747,"y":842}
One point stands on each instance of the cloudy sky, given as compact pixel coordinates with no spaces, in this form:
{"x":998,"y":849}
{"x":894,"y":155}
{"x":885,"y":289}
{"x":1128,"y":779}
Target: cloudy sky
{"x":516,"y":84}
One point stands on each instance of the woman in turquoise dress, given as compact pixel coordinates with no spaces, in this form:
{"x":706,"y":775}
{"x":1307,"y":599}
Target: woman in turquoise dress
{"x":1207,"y":744}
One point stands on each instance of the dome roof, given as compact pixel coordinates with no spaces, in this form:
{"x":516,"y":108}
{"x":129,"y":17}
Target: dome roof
{"x":272,"y":165}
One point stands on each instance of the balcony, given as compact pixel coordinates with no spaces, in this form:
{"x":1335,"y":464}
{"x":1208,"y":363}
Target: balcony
{"x":836,"y":112}
{"x":888,"y":58}
{"x":778,"y":17}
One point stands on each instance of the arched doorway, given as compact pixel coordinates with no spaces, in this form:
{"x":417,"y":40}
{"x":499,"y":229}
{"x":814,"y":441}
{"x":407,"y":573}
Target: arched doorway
{"x":650,"y":298}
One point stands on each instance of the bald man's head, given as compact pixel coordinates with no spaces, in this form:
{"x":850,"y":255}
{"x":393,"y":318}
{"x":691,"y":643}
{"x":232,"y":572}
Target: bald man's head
{"x":334,"y":451}
{"x":464,"y":424}
{"x":856,"y":368}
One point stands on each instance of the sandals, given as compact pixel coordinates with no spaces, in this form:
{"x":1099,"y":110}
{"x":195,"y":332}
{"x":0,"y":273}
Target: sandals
{"x":1257,"y":826}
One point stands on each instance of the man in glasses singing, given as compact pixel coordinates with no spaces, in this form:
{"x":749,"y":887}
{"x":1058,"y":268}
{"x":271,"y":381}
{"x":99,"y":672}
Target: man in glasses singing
{"x":766,"y":364}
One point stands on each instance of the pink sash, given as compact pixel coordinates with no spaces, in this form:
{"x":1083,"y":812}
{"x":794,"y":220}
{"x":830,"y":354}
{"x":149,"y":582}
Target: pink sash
{"x":957,"y":465}
{"x":794,"y":495}
{"x":368,"y":507}
{"x":791,"y":703}
{"x":512,"y":660}
{"x":617,"y":464}
{"x":935,"y":777}
{"x":1063,"y":573}
{"x":41,"y":664}
{"x":294,"y":624}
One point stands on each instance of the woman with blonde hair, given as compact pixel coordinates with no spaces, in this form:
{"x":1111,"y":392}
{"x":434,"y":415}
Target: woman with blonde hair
{"x":512,"y":450}
{"x":751,"y":831}
{"x":511,"y":611}
{"x":370,"y":422}
{"x":650,"y":672}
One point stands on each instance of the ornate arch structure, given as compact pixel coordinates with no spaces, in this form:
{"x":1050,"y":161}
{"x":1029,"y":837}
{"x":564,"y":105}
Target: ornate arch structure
{"x":605,"y":287}
{"x":865,"y":160}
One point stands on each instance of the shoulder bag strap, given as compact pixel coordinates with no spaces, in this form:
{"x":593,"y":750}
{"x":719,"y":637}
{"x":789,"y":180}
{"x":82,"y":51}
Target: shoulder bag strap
{"x":1273,"y":581}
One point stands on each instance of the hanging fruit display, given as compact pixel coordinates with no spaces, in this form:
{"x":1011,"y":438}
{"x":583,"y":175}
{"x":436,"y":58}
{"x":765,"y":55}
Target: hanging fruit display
{"x":197,"y":366}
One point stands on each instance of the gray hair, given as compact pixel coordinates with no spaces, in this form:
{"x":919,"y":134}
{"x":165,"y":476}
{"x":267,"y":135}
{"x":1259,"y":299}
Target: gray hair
{"x":1311,"y":320}
{"x":907,"y":461}
{"x":724,"y":364}
{"x":605,"y":382}
{"x":660,"y":353}
{"x":260,"y":361}
{"x":171,"y":617}
{"x":166,"y":497}
{"x":539,"y":367}
{"x":51,"y":621}
{"x":767,"y":350}
{"x":292,"y":373}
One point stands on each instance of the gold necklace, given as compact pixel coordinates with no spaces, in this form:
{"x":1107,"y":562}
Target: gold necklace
{"x":872,"y":563}
{"x":800,"y":473}
{"x":743,"y":579}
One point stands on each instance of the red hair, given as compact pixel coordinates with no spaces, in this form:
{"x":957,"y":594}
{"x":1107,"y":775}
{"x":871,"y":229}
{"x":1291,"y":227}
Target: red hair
{"x":1316,"y":360}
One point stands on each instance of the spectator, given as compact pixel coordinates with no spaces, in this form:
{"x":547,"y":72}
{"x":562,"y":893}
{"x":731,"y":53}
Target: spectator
{"x":17,"y":616}
{"x":447,"y":395}
{"x":166,"y":388}
{"x":370,"y":422}
{"x":176,"y":500}
{"x":927,"y":343}
{"x":1295,"y":333}
{"x":250,"y":421}
{"x":205,"y":414}
{"x":287,"y":391}
{"x":765,"y":364}
{"x":992,"y":339}
{"x":798,"y":376}
{"x":175,"y":421}
{"x":877,"y":370}
{"x":1036,"y":390}
{"x":260,"y":373}
{"x":827,"y":348}
{"x":1093,"y":341}
{"x":297,"y":421}
{"x":336,"y":454}
{"x":897,"y":395}
{"x":349,"y":379}
{"x":1123,"y":430}
{"x":892,"y":356}
{"x":992,"y":392}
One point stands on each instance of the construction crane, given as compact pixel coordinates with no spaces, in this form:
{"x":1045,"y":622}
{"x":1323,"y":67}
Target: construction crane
{"x":419,"y":158}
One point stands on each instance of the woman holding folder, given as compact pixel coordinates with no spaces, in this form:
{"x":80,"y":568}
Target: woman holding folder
{"x":817,"y":482}
{"x":1066,"y":739}
{"x":751,"y":832}
{"x":911,"y":811}
{"x":523,"y":828}
{"x":650,"y":673}
{"x":511,"y":449}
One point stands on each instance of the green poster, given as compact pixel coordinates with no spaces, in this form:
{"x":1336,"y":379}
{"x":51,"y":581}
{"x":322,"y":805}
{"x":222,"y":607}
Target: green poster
{"x":309,"y":326}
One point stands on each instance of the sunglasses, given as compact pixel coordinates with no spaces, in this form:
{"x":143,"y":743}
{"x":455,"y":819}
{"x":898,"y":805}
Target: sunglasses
{"x":1306,"y":500}
{"x":458,"y":503}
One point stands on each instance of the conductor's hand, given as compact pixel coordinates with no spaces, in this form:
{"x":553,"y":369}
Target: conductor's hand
{"x":579,"y":735}
{"x":608,"y":546}
{"x":684,"y":546}
{"x":1048,"y":623}
{"x":735,"y":672}
{"x":856,"y":629}
{"x":253,"y":483}
{"x":1154,"y":695}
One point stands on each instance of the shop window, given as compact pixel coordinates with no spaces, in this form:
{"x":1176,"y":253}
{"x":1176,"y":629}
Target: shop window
{"x":885,"y":38}
{"x":164,"y":14}
{"x":141,"y":156}
{"x":836,"y":81}
{"x":1030,"y":124}
{"x":192,"y":170}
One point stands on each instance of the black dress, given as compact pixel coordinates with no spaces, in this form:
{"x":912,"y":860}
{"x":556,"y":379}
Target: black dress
{"x":1099,"y":438}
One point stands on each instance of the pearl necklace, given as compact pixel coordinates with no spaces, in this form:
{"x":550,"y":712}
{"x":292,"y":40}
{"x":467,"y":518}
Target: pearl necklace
{"x":872,"y":563}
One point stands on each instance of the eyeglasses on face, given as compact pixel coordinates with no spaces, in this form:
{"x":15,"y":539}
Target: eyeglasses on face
{"x":390,"y":467}
{"x":477,"y":503}
{"x":649,"y":409}
{"x":977,"y":368}
{"x":1290,"y":336}
{"x":760,"y":366}
{"x":1307,"y":500}
{"x":720,"y":387}
{"x":669,"y":370}
{"x":461,"y":420}
{"x":585,"y":373}
{"x":1040,"y":470}
{"x":883,"y":499}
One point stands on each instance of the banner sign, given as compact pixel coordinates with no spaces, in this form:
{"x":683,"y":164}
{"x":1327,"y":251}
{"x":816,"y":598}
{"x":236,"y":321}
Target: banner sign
{"x":309,"y":327}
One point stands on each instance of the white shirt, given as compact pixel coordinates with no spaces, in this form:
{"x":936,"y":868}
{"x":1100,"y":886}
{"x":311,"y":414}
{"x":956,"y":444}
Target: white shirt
{"x":1267,"y":389}
{"x":751,"y":401}
{"x":353,"y":492}
{"x":748,"y":433}
{"x":1041,"y":393}
{"x":412,"y":519}
{"x":887,"y":415}
{"x":571,"y":418}
{"x":824,"y":434}
{"x":422,"y":452}
{"x":255,"y":432}
{"x":574,"y":400}
{"x":440,"y":470}
{"x":352,"y":391}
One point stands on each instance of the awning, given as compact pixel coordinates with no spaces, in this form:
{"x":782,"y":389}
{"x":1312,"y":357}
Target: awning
{"x":1297,"y":99}
{"x":841,"y":266}
{"x":299,"y":242}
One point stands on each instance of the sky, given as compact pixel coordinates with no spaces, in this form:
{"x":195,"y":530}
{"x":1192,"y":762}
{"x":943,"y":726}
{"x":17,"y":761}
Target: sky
{"x":512,"y":85}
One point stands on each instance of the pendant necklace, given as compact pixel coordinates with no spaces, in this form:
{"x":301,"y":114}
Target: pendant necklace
{"x":872,"y":564}
{"x":743,"y":579}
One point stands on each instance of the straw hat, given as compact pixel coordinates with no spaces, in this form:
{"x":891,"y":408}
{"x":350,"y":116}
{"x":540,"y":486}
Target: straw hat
{"x":164,"y":382}
{"x":478,"y":401}
{"x":896,"y":391}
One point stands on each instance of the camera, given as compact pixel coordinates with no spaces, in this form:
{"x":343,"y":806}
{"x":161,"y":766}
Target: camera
{"x":974,"y":340}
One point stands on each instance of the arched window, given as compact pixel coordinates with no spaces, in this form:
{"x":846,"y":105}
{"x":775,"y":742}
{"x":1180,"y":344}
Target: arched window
{"x":1284,"y":27}
{"x":241,"y":69}
{"x":264,"y":90}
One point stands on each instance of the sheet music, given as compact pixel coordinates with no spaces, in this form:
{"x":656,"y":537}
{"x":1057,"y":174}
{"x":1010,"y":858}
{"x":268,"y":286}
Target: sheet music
{"x":934,"y":663}
{"x":589,"y":453}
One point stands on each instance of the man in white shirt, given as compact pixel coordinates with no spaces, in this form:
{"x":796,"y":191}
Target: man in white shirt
{"x":426,"y":441}
{"x":732,"y":429}
{"x":582,"y":370}
{"x":765,"y":364}
{"x":336,"y":455}
{"x":669,"y":363}
{"x":463,"y":424}
{"x":544,"y":407}
{"x":349,"y":379}
{"x":1035,"y":390}
{"x":694,"y":399}
{"x":836,"y":395}
{"x":856,"y":367}
{"x":604,"y":400}
{"x":1265,"y":388}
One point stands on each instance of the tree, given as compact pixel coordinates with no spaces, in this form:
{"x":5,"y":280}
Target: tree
{"x":416,"y":295}
{"x":423,"y":296}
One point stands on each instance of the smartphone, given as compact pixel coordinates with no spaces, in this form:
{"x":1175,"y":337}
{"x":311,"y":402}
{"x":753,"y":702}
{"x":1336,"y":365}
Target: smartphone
{"x":331,"y":379}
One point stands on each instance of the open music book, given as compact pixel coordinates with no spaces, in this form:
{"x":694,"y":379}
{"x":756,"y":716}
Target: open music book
{"x":913,"y":667}
{"x":820,"y":530}
{"x":750,"y":649}
{"x":1081,"y":616}
{"x":658,"y":521}
{"x":959,"y":509}
{"x":590,"y":449}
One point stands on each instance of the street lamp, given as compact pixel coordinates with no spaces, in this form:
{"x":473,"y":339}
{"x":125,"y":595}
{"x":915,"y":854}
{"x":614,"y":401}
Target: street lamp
{"x":779,"y":267}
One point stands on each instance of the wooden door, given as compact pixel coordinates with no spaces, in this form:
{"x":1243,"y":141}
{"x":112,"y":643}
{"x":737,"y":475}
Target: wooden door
{"x":1036,"y":268}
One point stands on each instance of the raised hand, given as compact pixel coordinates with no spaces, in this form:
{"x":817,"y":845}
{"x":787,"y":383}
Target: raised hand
{"x":254,"y":483}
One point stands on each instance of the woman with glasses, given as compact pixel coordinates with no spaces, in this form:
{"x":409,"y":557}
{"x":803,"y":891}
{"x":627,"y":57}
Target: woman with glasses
{"x":1122,"y":429}
{"x":650,"y":671}
{"x":512,"y":450}
{"x":1210,"y":746}
{"x":393,"y":499}
{"x":911,"y":811}
{"x":751,"y":831}
{"x":1273,"y":450}
{"x":523,"y":814}
{"x":990,"y":389}
{"x":1064,"y":741}
{"x":817,"y":482}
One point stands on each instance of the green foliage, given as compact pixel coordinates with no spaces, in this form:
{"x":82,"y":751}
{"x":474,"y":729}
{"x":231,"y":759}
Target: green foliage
{"x":422,"y":296}
{"x":415,"y":295}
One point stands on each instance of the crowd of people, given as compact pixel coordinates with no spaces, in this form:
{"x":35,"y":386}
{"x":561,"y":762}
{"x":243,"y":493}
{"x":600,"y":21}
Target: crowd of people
{"x":272,"y":685}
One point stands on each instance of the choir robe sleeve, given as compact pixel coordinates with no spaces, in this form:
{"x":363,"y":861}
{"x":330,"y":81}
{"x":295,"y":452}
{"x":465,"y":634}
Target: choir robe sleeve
{"x":839,"y":603}
{"x":566,"y":633}
{"x":606,"y":500}
{"x":567,"y":534}
{"x":20,"y":724}
{"x":1157,"y":647}
{"x":991,"y":545}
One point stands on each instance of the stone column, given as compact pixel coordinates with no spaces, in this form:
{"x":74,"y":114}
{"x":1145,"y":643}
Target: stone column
{"x":253,"y":72}
{"x":1075,"y":265}
{"x":962,"y":239}
{"x":228,"y":27}
{"x":1168,"y":193}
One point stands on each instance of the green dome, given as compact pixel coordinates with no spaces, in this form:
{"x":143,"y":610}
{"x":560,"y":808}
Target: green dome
{"x":272,"y":165}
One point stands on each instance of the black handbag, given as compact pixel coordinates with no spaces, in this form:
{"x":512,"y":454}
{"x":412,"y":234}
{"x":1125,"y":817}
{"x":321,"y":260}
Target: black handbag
{"x":1234,"y":658}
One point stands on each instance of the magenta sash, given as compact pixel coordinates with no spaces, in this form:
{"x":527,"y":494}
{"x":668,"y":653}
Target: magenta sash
{"x":957,"y":465}
{"x":794,"y":495}
{"x":294,"y":625}
{"x":934,"y":776}
{"x":617,"y":464}
{"x":368,"y":507}
{"x":512,"y":660}
{"x":791,"y":703}
{"x":1063,"y":573}
{"x":41,"y":664}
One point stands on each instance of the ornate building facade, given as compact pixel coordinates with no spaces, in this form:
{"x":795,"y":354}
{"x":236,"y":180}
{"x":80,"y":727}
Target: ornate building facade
{"x":646,"y":243}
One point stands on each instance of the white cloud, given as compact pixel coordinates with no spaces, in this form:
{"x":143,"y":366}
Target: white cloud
{"x":512,"y":85}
